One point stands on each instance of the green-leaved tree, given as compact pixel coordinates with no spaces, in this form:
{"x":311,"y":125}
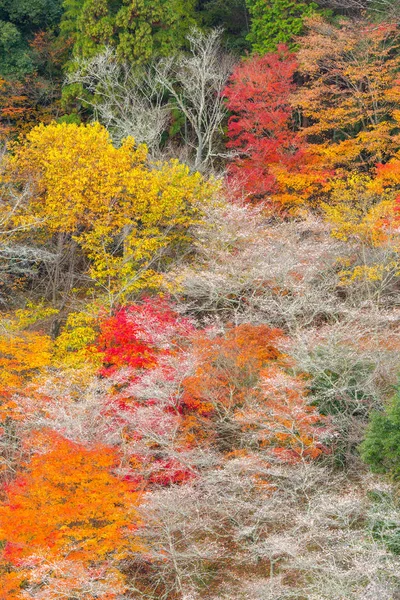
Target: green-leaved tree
{"x":138,"y":29}
{"x":381,"y":447}
{"x":276,"y":22}
{"x":19,"y":21}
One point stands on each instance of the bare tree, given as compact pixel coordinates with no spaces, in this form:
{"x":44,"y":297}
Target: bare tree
{"x":304,"y":533}
{"x":128,"y":100}
{"x":249,"y":269}
{"x":195,"y":82}
{"x":138,"y":101}
{"x":19,"y":255}
{"x":63,"y":578}
{"x":295,"y":275}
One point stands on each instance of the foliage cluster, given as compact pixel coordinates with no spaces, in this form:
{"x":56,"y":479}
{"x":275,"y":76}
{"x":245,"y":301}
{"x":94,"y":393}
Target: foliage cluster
{"x":199,"y":279}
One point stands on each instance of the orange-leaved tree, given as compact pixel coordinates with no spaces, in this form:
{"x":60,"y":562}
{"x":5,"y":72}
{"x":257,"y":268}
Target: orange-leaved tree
{"x":349,"y":97}
{"x":25,"y":353}
{"x":243,"y":395}
{"x":21,"y":355}
{"x":34,"y":97}
{"x":67,"y":504}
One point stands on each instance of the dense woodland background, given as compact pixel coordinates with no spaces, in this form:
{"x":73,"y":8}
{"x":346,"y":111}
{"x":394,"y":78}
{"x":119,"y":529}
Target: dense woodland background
{"x":199,"y":299}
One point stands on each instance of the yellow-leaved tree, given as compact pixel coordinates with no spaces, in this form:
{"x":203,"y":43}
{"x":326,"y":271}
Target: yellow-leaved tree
{"x":128,"y":216}
{"x":362,"y":213}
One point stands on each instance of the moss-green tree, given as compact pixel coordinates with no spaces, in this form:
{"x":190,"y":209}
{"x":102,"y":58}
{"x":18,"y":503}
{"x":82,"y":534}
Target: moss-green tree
{"x":138,"y":29}
{"x":381,"y":447}
{"x":276,"y":22}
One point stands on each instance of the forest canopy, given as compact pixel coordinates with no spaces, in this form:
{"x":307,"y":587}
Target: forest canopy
{"x":199,"y":299}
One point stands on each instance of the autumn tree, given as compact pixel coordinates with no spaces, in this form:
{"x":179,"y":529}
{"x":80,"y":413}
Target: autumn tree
{"x":67,"y":504}
{"x":361,"y":210}
{"x":34,"y":97}
{"x":22,"y":355}
{"x":349,"y":96}
{"x":126,"y":215}
{"x":143,"y":349}
{"x":271,"y":162}
{"x":228,"y":391}
{"x":138,"y":334}
{"x":242,"y":396}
